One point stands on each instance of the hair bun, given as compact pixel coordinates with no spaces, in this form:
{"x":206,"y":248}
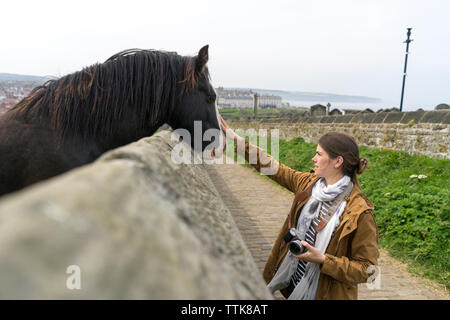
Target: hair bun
{"x":362,"y":165}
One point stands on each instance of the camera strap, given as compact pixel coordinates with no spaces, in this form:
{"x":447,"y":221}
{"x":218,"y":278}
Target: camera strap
{"x":299,"y":197}
{"x":345,"y":195}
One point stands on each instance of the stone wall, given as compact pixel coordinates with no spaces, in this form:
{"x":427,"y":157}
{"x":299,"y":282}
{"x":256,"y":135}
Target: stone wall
{"x":137,"y":226}
{"x":420,"y":132}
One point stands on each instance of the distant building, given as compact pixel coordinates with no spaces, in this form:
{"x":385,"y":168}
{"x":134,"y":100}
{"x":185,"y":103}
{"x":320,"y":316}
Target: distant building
{"x":318,"y":110}
{"x":9,"y":101}
{"x":269,"y":101}
{"x":335,"y":112}
{"x":245,"y":99}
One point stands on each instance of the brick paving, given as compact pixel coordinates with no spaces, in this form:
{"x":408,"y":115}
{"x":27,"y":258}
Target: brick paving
{"x":259,"y":207}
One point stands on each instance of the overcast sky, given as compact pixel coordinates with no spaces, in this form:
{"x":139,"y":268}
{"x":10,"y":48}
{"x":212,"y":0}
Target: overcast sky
{"x":350,"y":47}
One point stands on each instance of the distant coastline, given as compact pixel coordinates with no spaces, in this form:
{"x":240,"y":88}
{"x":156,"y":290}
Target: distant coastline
{"x":295,"y":98}
{"x":313,"y":96}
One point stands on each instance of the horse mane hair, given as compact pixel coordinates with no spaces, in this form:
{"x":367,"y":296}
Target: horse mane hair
{"x":136,"y":83}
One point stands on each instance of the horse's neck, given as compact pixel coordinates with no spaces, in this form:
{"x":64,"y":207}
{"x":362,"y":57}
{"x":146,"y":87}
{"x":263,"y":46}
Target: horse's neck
{"x":125,"y":135}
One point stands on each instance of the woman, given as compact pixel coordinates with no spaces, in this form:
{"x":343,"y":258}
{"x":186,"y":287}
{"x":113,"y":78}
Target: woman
{"x":342,"y":247}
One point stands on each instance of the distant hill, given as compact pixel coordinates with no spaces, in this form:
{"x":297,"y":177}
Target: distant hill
{"x":312,"y":96}
{"x":21,"y":77}
{"x":285,"y":95}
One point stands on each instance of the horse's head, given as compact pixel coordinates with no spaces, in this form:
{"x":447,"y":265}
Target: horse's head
{"x":196,"y":110}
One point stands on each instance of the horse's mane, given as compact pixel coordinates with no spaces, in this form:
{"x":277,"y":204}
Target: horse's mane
{"x":90,"y":102}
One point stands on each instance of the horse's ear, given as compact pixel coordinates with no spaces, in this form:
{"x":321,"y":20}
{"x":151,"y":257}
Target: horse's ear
{"x":202,"y":59}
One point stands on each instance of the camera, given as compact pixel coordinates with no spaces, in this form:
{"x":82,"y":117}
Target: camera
{"x":294,"y":242}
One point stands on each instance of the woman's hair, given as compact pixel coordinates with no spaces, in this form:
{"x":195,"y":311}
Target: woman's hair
{"x":340,"y":144}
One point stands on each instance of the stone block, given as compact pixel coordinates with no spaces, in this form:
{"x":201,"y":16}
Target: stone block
{"x":358,"y":118}
{"x":416,"y":116}
{"x":368,"y":117}
{"x":379,"y":118}
{"x":394,"y":117}
{"x":344,"y":119}
{"x":329,"y":119}
{"x":434,"y":116}
{"x":446,"y":119}
{"x":136,"y":224}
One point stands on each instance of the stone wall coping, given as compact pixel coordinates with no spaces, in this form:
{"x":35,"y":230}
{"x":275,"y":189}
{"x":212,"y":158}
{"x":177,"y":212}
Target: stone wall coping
{"x":433,"y":116}
{"x":136,"y":224}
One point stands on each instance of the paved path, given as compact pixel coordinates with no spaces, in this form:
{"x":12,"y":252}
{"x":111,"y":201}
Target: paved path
{"x":259,"y":208}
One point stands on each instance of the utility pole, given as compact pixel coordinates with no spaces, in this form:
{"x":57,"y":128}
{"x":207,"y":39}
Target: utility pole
{"x":255,"y":104}
{"x":406,"y":62}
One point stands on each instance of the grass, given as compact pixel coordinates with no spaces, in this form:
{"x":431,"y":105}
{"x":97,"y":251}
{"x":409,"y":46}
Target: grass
{"x":412,"y":214}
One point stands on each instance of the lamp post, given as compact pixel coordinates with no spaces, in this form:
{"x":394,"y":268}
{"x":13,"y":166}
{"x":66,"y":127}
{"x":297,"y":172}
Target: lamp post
{"x":255,"y":104}
{"x":406,"y":62}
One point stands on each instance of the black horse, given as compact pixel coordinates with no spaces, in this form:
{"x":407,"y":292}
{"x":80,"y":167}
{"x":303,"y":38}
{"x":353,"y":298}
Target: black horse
{"x":71,"y":121}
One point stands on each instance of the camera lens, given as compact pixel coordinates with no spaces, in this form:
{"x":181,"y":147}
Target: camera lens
{"x":296,"y":247}
{"x":289,"y":235}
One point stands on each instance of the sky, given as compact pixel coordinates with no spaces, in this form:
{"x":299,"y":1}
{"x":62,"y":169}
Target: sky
{"x":351,"y":47}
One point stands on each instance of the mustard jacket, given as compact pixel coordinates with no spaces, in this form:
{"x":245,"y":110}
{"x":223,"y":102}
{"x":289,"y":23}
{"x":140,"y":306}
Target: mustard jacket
{"x":353,"y":247}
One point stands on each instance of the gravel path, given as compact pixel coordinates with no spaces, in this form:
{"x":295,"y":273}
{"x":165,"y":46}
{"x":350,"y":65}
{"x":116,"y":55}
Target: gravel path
{"x":259,"y":208}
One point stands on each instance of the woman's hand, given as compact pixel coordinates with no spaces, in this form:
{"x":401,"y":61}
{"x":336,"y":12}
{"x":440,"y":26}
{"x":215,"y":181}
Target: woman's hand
{"x":229,"y":133}
{"x":311,"y":255}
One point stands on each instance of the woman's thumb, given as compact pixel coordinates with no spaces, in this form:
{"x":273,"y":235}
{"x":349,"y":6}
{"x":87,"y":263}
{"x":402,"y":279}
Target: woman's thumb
{"x":306,"y":244}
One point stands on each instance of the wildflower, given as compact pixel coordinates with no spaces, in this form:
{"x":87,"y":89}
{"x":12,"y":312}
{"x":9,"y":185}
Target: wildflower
{"x":413,"y":176}
{"x":387,"y":194}
{"x":422,"y":176}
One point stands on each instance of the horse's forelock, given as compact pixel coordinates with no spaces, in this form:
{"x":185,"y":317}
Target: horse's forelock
{"x":192,"y":76}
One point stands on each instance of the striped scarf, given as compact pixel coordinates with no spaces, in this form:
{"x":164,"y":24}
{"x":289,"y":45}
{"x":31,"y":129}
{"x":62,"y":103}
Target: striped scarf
{"x":310,"y":238}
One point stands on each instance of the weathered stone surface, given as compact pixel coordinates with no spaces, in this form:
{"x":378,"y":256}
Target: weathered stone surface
{"x":329,"y":119}
{"x":368,"y":117}
{"x":325,"y":119}
{"x":442,"y":106}
{"x":409,"y":116}
{"x":434,"y":116}
{"x":358,"y":118}
{"x":394,"y":117}
{"x":446,"y":120}
{"x":138,"y":226}
{"x":420,"y":138}
{"x":344,"y":118}
{"x":379,"y":118}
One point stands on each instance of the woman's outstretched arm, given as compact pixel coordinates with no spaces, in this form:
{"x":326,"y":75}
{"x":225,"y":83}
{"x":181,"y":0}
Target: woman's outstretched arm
{"x":291,"y":179}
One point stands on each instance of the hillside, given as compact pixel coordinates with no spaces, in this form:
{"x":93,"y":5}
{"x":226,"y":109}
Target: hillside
{"x":21,"y":77}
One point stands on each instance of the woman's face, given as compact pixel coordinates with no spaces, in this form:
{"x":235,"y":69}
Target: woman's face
{"x":324,"y":166}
